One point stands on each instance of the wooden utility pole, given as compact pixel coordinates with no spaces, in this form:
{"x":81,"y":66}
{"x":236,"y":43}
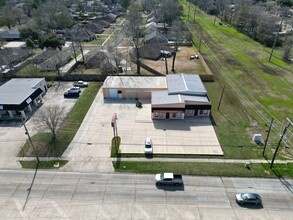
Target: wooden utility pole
{"x":267,"y":138}
{"x":275,"y":41}
{"x":31,"y":142}
{"x":282,"y":136}
{"x":199,"y":45}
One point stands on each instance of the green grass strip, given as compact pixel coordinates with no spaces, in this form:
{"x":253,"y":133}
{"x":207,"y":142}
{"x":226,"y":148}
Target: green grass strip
{"x":43,"y":164}
{"x":206,"y":169}
{"x":45,"y":147}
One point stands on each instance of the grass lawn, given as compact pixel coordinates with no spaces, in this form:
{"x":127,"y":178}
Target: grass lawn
{"x":43,"y":142}
{"x":43,"y":164}
{"x":32,"y":71}
{"x":207,"y":169}
{"x":256,"y":90}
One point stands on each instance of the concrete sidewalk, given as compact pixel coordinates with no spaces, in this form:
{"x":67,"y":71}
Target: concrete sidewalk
{"x":158,"y":159}
{"x":201,"y":160}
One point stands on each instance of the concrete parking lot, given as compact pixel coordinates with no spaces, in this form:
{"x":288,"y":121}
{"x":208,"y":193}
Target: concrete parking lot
{"x":12,"y":133}
{"x":90,"y":149}
{"x":188,"y":136}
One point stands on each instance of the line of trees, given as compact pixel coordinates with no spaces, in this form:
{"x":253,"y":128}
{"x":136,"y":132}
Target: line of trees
{"x":167,"y":12}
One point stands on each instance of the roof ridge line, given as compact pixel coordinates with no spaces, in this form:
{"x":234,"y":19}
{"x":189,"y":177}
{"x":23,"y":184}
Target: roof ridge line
{"x":184,"y":82}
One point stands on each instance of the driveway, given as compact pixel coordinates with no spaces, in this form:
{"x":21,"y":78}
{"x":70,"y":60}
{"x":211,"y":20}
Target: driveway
{"x":12,"y":133}
{"x":90,"y":148}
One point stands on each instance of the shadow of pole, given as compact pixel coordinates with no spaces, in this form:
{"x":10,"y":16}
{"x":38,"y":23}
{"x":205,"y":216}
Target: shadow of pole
{"x":31,"y":186}
{"x":283,"y":180}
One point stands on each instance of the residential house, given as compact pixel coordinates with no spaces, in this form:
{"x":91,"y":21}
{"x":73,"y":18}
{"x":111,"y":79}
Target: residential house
{"x":102,"y":23}
{"x":10,"y":34}
{"x":93,"y":27}
{"x":79,"y":33}
{"x":10,"y":57}
{"x":42,"y":57}
{"x":152,"y":51}
{"x":111,"y":17}
{"x":56,"y":61}
{"x":155,"y":37}
{"x":101,"y":60}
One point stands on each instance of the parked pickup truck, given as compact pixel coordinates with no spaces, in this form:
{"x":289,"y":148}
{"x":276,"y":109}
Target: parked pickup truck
{"x":168,"y":179}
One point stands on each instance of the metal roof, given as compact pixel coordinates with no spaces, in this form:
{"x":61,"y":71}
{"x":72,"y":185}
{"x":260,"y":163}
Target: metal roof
{"x":189,"y":84}
{"x":15,"y":91}
{"x":162,"y":98}
{"x":139,"y":82}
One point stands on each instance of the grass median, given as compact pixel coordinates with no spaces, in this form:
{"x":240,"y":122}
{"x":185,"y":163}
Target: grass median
{"x":207,"y":169}
{"x":51,"y":164}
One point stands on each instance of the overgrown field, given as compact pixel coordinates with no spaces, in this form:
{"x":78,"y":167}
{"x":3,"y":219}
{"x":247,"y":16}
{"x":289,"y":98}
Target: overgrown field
{"x":256,"y":90}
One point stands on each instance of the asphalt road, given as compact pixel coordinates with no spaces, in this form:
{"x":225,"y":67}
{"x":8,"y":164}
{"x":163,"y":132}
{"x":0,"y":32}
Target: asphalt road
{"x":26,"y":195}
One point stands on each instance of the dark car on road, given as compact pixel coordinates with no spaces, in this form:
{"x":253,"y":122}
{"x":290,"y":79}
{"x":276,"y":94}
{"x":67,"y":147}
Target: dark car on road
{"x":248,"y":198}
{"x":71,"y":95}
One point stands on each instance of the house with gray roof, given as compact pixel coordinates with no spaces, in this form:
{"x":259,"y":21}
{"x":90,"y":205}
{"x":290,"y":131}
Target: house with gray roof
{"x":12,"y":56}
{"x":19,"y":97}
{"x":10,"y":34}
{"x":93,"y":27}
{"x":56,"y":61}
{"x":45,"y":55}
{"x":155,"y":37}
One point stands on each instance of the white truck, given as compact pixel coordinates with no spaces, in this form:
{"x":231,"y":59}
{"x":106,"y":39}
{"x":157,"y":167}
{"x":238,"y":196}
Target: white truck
{"x":168,"y":179}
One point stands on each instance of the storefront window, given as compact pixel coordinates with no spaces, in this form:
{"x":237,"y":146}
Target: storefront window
{"x":203,"y":112}
{"x":189,"y":112}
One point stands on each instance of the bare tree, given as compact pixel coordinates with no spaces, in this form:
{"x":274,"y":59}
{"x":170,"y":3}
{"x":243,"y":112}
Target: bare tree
{"x":169,"y":11}
{"x":7,"y":17}
{"x":52,"y":15}
{"x":49,"y":118}
{"x":134,"y":22}
{"x":125,"y":4}
{"x":150,"y":5}
{"x":179,"y":33}
{"x":116,"y":55}
{"x":77,"y":41}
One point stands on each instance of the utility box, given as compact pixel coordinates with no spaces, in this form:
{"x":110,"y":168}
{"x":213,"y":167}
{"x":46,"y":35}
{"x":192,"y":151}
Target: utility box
{"x":256,"y":138}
